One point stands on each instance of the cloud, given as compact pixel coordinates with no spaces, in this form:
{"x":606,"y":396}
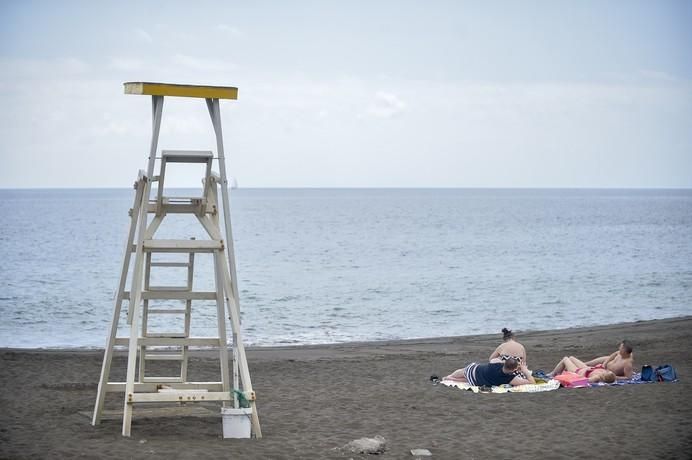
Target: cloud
{"x":645,"y":77}
{"x":126,"y":64}
{"x":386,"y":105}
{"x":230,"y":30}
{"x":20,"y":68}
{"x":464,"y":133}
{"x":203,"y":64}
{"x":143,"y":35}
{"x":657,"y":75}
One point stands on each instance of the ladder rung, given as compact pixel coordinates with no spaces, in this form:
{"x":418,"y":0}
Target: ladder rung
{"x":170,"y":264}
{"x":169,"y":311}
{"x":163,"y":356}
{"x":173,"y":341}
{"x":187,"y":156}
{"x":176,"y":208}
{"x":174,"y":295}
{"x":162,"y":380}
{"x":181,"y":246}
{"x":168,"y":288}
{"x":183,"y":199}
{"x":172,"y":335}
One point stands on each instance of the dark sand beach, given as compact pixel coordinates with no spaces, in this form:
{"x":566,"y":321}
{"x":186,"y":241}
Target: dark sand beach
{"x":316,"y":398}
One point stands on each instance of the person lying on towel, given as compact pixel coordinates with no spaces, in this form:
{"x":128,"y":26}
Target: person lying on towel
{"x":619,"y":362}
{"x":595,"y":374}
{"x":493,"y":374}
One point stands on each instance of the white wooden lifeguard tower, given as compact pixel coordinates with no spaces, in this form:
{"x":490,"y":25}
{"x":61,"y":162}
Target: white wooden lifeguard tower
{"x":144,"y":345}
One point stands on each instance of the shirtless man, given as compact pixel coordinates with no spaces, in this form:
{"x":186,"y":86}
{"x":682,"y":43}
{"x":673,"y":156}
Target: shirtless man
{"x":619,"y":362}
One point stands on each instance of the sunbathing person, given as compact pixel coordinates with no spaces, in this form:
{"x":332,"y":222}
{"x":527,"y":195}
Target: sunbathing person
{"x":620,"y":362}
{"x":595,"y":373}
{"x":510,"y":348}
{"x":490,"y":374}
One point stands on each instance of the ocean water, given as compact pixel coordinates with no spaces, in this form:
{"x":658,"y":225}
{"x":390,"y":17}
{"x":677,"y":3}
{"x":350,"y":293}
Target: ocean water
{"x":339,"y":265}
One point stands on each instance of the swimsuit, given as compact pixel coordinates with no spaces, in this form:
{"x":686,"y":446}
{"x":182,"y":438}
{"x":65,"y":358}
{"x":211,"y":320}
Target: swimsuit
{"x":489,"y":374}
{"x":589,"y":370}
{"x":517,"y":373}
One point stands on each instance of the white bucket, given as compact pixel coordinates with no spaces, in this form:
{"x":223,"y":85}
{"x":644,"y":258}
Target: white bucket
{"x":236,"y":422}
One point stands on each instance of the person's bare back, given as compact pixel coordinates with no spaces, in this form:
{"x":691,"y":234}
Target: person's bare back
{"x":509,"y":348}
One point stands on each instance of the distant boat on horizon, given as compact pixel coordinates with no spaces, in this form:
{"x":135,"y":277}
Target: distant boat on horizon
{"x":234,"y":183}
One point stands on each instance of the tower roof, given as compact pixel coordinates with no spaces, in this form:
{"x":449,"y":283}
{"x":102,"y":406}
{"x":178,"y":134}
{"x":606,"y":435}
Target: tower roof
{"x":169,"y":89}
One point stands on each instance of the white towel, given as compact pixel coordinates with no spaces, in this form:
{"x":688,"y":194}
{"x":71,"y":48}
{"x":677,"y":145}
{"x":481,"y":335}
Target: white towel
{"x":529,"y":388}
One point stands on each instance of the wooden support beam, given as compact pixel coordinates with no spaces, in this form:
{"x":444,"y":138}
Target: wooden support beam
{"x":172,"y":335}
{"x":161,"y":379}
{"x":231,"y":287}
{"x":174,"y":295}
{"x":172,"y":341}
{"x":110,"y":342}
{"x":170,"y":264}
{"x":152,"y":356}
{"x":180,"y":396}
{"x":134,"y":304}
{"x":167,"y":311}
{"x":168,"y":288}
{"x":181,"y":246}
{"x":179,"y":208}
{"x":187,"y":156}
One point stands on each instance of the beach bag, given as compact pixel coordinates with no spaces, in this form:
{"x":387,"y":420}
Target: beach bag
{"x":572,"y":380}
{"x":666,"y":373}
{"x":647,"y":373}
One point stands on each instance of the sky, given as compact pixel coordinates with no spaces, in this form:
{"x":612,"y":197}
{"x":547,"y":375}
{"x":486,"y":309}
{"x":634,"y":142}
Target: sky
{"x":353,"y":94}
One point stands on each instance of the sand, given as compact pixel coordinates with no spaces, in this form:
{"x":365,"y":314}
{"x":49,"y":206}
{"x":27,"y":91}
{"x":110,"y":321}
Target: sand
{"x":314,"y":399}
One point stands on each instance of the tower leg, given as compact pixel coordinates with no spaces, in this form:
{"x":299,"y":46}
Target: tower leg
{"x":188,"y":312}
{"x":221,"y":321}
{"x":133,"y":316}
{"x":234,"y":316}
{"x":229,"y":270}
{"x":145,"y":320}
{"x":110,"y":342}
{"x":136,"y":289}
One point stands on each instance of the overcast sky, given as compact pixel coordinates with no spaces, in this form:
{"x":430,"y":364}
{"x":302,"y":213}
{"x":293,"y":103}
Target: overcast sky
{"x":354,"y":94}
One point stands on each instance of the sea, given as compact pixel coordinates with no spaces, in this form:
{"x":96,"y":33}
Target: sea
{"x":342,"y":265}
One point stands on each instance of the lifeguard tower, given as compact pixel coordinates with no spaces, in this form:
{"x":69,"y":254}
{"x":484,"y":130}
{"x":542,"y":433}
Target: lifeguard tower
{"x":150,"y":253}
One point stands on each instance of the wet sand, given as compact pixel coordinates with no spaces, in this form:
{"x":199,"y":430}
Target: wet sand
{"x":314,"y":399}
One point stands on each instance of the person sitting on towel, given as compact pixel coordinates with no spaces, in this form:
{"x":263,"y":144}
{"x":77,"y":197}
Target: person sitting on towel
{"x":509,"y":348}
{"x":595,"y":374}
{"x":492,"y":374}
{"x":619,"y":362}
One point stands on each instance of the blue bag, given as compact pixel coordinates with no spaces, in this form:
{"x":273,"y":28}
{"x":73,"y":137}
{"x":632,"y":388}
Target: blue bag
{"x":666,"y":373}
{"x":647,"y":373}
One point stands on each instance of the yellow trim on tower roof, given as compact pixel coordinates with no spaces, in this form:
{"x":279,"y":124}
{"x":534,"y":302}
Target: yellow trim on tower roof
{"x":169,"y":89}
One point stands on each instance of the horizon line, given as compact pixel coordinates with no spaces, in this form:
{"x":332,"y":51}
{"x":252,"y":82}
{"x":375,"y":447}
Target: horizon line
{"x":308,"y":187}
